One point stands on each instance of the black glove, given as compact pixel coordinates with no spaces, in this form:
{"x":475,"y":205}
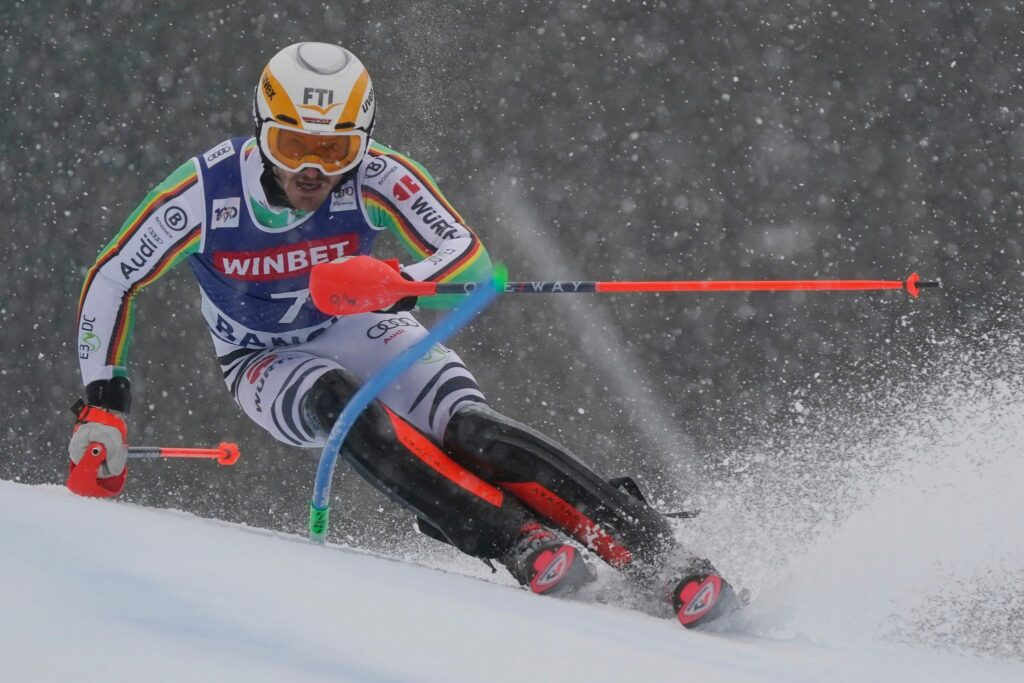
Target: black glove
{"x":111,"y":394}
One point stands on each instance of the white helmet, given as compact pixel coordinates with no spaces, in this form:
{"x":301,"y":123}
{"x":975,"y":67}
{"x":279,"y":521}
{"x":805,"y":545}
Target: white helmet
{"x":314,"y":108}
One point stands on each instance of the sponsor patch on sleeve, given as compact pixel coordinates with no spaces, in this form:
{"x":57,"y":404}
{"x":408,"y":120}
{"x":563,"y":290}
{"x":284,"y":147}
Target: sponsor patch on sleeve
{"x":375,"y":166}
{"x":219,"y":154}
{"x":225,"y":213}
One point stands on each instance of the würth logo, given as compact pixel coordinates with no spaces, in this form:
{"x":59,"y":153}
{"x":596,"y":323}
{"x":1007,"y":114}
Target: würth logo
{"x":288,"y":261}
{"x":253,"y":373}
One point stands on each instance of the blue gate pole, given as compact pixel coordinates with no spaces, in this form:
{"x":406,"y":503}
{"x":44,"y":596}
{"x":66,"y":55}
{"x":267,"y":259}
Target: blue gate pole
{"x":459,"y":317}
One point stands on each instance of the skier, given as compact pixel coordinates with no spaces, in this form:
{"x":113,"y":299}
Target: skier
{"x":252,"y":216}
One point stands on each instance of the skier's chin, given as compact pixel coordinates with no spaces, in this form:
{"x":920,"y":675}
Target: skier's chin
{"x":306,"y":190}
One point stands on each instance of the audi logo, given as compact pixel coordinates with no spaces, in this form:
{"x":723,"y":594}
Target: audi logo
{"x":385,"y":326}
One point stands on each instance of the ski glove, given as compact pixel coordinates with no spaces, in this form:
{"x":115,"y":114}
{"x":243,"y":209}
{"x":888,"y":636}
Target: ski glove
{"x":98,"y":452}
{"x":405,"y":303}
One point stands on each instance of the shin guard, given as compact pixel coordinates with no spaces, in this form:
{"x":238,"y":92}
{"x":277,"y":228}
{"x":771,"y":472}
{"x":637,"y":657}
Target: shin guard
{"x":622,"y":529}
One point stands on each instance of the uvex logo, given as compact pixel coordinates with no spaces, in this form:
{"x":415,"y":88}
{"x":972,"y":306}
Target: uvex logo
{"x":278,"y":263}
{"x":268,"y":88}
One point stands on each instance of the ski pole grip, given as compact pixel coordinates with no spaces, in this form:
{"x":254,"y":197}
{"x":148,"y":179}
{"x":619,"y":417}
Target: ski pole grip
{"x":84,"y":478}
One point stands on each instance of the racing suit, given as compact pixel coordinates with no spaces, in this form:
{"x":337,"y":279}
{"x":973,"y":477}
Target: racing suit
{"x":430,"y":441}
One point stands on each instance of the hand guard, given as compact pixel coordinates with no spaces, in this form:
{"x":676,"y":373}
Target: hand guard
{"x":98,"y":452}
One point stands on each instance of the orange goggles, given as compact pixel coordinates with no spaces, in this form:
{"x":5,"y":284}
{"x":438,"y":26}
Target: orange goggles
{"x":293,"y":150}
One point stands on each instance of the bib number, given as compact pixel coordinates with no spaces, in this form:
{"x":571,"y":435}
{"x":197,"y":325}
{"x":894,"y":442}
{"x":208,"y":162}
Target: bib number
{"x":301,"y":296}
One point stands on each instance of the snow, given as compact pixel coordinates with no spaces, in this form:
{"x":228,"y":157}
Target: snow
{"x":96,"y":590}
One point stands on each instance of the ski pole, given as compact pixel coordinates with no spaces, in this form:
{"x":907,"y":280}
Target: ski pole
{"x":82,"y":479}
{"x":224,"y":453}
{"x":362,"y":283}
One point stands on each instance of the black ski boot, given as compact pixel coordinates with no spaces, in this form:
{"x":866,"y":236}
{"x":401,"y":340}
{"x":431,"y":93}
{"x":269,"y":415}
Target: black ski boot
{"x":545,"y":562}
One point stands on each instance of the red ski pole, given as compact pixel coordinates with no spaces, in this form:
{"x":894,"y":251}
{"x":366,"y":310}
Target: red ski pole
{"x":362,"y":283}
{"x":224,"y":454}
{"x":82,"y":479}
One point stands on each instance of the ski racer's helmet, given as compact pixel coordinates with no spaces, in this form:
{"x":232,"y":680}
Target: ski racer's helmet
{"x":314,"y":108}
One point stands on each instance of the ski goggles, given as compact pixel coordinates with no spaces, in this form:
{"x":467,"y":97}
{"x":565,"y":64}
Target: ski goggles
{"x":294,"y":150}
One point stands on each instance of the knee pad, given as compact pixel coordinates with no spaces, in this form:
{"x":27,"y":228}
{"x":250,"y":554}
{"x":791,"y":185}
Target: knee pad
{"x":328,"y":397}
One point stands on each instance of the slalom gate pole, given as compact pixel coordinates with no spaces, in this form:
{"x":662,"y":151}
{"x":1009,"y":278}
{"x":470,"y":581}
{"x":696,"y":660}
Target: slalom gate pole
{"x":319,"y":507}
{"x":224,"y":454}
{"x":362,"y":284}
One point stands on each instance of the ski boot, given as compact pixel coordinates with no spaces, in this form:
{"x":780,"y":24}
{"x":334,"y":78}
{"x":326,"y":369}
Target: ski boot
{"x":702,"y":595}
{"x":545,"y":562}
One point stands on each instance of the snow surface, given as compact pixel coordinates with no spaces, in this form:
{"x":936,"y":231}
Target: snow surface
{"x":95,"y":590}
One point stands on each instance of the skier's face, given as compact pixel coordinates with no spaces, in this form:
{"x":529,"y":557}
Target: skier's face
{"x":306,"y":189}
